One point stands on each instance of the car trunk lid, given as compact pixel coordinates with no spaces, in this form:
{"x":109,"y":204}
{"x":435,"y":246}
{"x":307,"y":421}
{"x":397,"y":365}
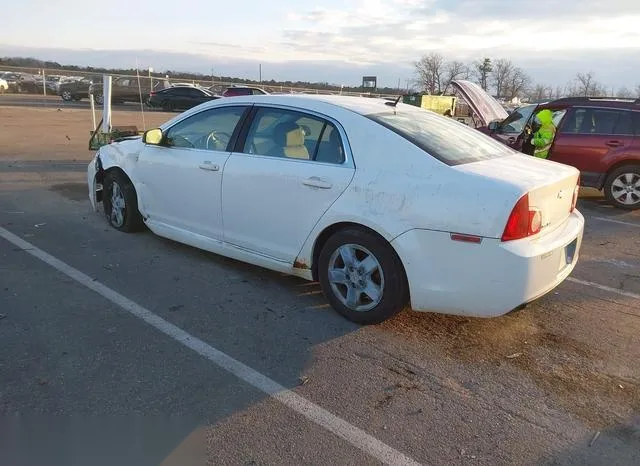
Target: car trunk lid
{"x":549,"y":185}
{"x":483,"y":105}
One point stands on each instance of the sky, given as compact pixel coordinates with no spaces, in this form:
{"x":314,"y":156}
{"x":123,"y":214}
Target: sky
{"x":332,"y":40}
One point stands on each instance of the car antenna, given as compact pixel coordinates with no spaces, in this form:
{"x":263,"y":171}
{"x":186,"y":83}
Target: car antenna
{"x":393,"y":103}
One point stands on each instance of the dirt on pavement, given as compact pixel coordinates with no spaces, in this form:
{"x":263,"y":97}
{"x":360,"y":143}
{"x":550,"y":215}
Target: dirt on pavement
{"x":59,"y":134}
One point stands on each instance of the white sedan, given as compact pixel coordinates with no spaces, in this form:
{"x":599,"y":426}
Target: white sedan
{"x":384,"y":204}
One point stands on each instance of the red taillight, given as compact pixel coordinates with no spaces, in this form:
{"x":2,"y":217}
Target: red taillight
{"x":152,"y":93}
{"x":524,"y":221}
{"x":576,"y":192}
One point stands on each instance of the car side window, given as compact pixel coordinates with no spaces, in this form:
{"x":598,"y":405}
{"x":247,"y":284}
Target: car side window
{"x":624,"y":125}
{"x":636,"y":123}
{"x":592,"y":121}
{"x":208,"y":130}
{"x":290,"y":134}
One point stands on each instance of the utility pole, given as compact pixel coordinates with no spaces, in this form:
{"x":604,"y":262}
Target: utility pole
{"x":212,"y":83}
{"x":260,"y":72}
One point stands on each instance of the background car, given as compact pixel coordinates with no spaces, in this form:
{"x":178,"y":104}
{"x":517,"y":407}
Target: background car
{"x":127,"y":89}
{"x":384,"y":204}
{"x":22,"y":82}
{"x":76,"y":89}
{"x":179,"y":98}
{"x":599,"y":136}
{"x":243,"y":90}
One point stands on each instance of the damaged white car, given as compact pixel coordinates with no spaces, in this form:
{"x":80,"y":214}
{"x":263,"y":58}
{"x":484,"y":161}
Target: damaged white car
{"x":385,"y":204}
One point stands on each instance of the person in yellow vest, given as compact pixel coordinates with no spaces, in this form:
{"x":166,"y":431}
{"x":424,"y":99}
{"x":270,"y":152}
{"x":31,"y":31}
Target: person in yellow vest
{"x":543,"y":137}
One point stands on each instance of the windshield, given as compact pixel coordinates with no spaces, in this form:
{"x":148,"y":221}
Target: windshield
{"x":447,"y":140}
{"x":515,"y":122}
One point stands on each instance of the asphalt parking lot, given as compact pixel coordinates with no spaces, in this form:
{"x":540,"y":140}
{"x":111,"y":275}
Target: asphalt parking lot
{"x":132,"y":349}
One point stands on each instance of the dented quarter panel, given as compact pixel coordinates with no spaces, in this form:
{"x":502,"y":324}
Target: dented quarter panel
{"x":392,"y":196}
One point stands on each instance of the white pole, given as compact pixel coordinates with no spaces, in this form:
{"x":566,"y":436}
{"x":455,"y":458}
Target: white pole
{"x":106,"y":104}
{"x":44,"y":83}
{"x":144,"y":125}
{"x":93,"y":111}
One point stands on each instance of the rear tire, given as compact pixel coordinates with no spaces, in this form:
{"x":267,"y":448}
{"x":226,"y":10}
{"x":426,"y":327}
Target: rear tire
{"x":67,"y":96}
{"x":622,"y":188}
{"x":362,"y":277}
{"x":120,"y":203}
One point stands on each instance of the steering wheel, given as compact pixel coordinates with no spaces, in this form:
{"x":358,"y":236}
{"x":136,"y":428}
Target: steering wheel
{"x":217,"y":139}
{"x":181,"y":141}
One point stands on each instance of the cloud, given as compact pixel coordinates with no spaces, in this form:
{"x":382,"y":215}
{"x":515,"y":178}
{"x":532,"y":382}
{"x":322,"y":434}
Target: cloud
{"x":552,"y":41}
{"x":399,"y":29}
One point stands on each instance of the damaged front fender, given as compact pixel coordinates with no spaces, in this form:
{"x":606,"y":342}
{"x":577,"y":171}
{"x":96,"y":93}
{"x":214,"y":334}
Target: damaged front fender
{"x":94,"y":181}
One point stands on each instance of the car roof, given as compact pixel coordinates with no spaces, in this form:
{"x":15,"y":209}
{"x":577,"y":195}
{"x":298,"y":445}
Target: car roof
{"x":361,"y":105}
{"x":611,"y":102}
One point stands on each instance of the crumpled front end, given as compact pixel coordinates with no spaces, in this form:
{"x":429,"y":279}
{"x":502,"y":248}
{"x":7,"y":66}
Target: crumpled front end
{"x":94,"y":181}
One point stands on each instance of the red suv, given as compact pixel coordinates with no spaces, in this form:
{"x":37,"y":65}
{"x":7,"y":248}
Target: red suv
{"x":598,"y":136}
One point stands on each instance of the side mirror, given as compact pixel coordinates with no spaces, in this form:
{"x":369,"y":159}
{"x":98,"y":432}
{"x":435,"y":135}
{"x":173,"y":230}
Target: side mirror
{"x":152,"y":137}
{"x":493,"y":126}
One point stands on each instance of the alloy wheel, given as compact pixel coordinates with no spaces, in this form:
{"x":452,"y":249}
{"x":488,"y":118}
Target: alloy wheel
{"x":117,"y":205}
{"x":625,"y":189}
{"x":356,"y":277}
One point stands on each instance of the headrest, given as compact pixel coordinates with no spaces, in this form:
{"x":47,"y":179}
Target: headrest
{"x":295,"y":137}
{"x":288,"y":134}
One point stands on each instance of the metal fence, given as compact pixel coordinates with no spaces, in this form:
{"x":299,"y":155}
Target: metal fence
{"x":45,"y":85}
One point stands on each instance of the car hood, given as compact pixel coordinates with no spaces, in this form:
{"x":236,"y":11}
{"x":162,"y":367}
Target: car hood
{"x":483,"y":105}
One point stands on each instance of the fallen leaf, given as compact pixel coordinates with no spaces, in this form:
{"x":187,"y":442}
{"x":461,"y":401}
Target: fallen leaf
{"x":303,"y":380}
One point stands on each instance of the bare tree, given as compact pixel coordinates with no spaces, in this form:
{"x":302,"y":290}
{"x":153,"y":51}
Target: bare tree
{"x":540,"y":92}
{"x":517,"y":83}
{"x":429,"y":71}
{"x":559,"y":92}
{"x":587,"y":86}
{"x":482,"y":71}
{"x":638,"y":91}
{"x":624,"y":93}
{"x":502,"y":70}
{"x":453,"y":70}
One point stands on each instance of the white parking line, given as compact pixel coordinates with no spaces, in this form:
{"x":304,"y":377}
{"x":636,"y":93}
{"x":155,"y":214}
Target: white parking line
{"x":628,"y":294}
{"x":320,"y":416}
{"x":619,"y":222}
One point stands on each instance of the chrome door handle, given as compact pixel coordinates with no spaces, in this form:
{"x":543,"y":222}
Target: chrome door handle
{"x":316,"y":182}
{"x":209,"y":166}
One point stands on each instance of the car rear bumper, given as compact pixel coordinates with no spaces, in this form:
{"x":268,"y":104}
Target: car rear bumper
{"x":488,"y":279}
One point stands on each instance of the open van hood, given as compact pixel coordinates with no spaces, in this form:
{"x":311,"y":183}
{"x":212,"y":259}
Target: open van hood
{"x":483,"y":105}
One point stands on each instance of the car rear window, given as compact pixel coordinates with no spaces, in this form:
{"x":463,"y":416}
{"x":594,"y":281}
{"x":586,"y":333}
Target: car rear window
{"x":447,"y":140}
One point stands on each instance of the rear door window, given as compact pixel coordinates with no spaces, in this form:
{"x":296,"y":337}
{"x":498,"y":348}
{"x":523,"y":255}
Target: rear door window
{"x":624,"y":125}
{"x":598,"y":121}
{"x":290,"y":134}
{"x":636,"y":123}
